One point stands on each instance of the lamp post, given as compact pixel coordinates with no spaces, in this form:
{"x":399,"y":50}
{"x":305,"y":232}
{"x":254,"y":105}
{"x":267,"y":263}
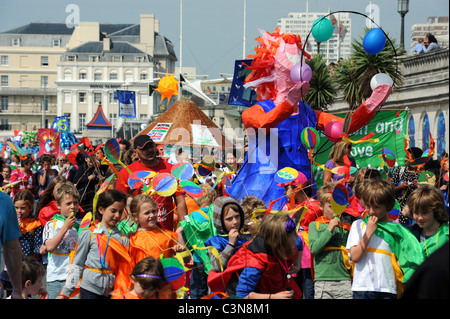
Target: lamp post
{"x":403,"y":8}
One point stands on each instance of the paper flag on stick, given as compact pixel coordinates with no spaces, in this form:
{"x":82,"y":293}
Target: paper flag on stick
{"x":139,"y":176}
{"x":339,"y":199}
{"x":286,"y":175}
{"x":102,"y":188}
{"x":388,"y":157}
{"x":17,"y":149}
{"x":85,"y":222}
{"x":112,"y":152}
{"x":427,"y":177}
{"x":191,"y":188}
{"x":164,"y":184}
{"x":174,"y":272}
{"x":182,"y":171}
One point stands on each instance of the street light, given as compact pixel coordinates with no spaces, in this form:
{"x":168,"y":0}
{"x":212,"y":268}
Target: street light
{"x":403,"y":8}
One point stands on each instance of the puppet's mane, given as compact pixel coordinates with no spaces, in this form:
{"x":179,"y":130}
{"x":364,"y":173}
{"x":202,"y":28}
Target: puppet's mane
{"x":262,"y":73}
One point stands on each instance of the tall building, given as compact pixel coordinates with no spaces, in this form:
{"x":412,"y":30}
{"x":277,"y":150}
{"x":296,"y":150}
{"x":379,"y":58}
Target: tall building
{"x":77,"y":68}
{"x":335,"y":48}
{"x":437,"y":26}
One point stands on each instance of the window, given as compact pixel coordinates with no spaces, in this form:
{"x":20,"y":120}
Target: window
{"x":15,"y":42}
{"x":143,"y":99}
{"x":110,"y":98}
{"x":44,"y":103}
{"x":68,"y":120}
{"x":4,"y":103}
{"x":82,"y":75}
{"x":116,"y":58}
{"x":4,"y":80}
{"x":4,"y":126}
{"x":82,"y":121}
{"x":44,"y":81}
{"x":113,"y":119}
{"x":441,"y":135}
{"x":93,"y":58}
{"x":113,"y":75}
{"x":143,"y":76}
{"x":71,"y":58}
{"x":67,"y":97}
{"x":82,"y":97}
{"x":143,"y":117}
{"x":5,"y":60}
{"x":139,"y":59}
{"x":56,"y":42}
{"x":129,"y":76}
{"x":67,"y":74}
{"x":98,"y":76}
{"x":97,"y":97}
{"x":411,"y":132}
{"x":44,"y":61}
{"x":425,"y":133}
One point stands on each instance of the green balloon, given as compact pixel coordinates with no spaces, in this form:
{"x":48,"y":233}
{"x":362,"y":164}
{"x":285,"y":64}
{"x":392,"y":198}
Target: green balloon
{"x":322,"y":29}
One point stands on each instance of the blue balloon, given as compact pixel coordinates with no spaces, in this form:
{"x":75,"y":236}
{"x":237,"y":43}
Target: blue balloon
{"x":374,"y":41}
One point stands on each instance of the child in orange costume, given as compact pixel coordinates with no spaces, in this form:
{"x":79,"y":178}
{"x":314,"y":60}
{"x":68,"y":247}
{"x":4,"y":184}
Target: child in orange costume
{"x":150,"y":239}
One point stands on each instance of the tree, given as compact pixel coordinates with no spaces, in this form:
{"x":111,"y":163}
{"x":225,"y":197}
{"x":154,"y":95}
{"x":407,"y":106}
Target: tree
{"x":356,"y":72}
{"x":322,"y":91}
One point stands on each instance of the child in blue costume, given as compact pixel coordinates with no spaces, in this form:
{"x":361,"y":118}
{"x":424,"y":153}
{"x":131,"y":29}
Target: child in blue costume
{"x":228,"y":219}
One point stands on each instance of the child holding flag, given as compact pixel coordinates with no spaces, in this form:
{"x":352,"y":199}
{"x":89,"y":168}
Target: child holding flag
{"x":376,"y":243}
{"x":60,"y":238}
{"x":101,"y":263}
{"x":327,"y":240}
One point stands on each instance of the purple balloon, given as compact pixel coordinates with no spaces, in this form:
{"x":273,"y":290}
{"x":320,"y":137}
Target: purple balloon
{"x":303,"y":73}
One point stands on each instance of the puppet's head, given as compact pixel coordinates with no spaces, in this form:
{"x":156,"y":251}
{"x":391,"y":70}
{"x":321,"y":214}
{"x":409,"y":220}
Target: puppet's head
{"x":275,"y":56}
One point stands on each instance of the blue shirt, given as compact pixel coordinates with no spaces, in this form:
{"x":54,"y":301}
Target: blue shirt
{"x":9,"y":225}
{"x":418,"y":48}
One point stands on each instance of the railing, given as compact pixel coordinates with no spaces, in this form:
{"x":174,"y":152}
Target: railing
{"x":5,"y":127}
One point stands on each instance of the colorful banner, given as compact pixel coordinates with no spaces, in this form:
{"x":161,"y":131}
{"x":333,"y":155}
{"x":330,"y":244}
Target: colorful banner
{"x":239,"y":95}
{"x":61,"y":124}
{"x":49,"y":141}
{"x":201,"y":135}
{"x":159,"y":132}
{"x":127,"y":103}
{"x":385,"y":125}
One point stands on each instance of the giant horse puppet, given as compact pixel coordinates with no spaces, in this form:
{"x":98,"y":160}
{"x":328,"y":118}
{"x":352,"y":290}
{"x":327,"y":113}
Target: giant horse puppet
{"x":275,"y":122}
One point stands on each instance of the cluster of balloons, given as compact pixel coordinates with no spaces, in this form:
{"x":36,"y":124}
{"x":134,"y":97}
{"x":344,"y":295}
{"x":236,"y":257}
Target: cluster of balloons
{"x":374,"y":42}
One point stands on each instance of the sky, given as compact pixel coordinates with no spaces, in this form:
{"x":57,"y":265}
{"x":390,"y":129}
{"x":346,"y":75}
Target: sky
{"x":213,"y":30}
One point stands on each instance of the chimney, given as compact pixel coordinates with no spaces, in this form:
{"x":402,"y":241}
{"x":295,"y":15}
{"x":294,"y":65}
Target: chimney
{"x":147,"y":32}
{"x":106,"y":44}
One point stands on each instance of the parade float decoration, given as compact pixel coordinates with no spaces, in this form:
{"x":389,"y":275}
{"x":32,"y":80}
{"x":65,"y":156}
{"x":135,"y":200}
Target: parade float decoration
{"x":167,"y":86}
{"x":278,"y":74}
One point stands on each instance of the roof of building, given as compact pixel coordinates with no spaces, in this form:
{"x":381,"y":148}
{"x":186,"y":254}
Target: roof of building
{"x":42,"y":28}
{"x":97,"y":47}
{"x":99,"y":122}
{"x":163,"y":46}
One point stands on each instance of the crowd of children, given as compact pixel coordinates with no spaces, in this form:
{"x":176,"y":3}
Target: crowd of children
{"x":226,"y":248}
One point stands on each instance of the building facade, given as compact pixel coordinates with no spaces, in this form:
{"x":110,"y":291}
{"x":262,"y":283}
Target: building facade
{"x":91,"y":62}
{"x":300,"y":23}
{"x":437,"y":26}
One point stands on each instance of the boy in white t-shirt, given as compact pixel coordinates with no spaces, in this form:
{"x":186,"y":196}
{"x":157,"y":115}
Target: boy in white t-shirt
{"x":60,"y":237}
{"x":374,"y":275}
